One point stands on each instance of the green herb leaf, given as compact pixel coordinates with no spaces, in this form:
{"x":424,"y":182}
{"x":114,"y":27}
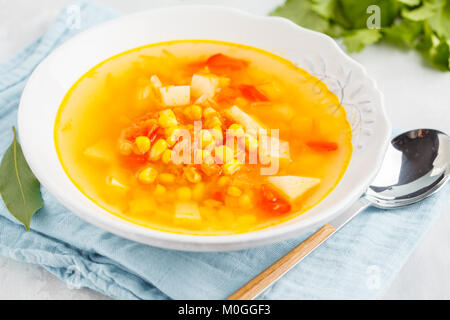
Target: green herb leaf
{"x":301,"y":12}
{"x":427,"y":10}
{"x":405,"y":33}
{"x":19,"y":187}
{"x":356,"y":40}
{"x":410,"y":3}
{"x":423,"y":25}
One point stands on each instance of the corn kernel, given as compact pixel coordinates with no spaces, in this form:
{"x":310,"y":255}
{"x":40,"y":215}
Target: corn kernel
{"x":234,"y":191}
{"x":166,"y":178}
{"x":224,"y":181}
{"x":245,"y":201}
{"x":193,"y":112}
{"x":236,"y":130}
{"x":166,"y":156}
{"x":166,"y":121}
{"x":125,"y":148}
{"x":231,"y":168}
{"x":167,"y":112}
{"x":148,"y":175}
{"x":184,"y":193}
{"x":172,"y":140}
{"x":159,"y":190}
{"x":170,"y":131}
{"x":209,"y":112}
{"x":192,"y":175}
{"x":196,"y":112}
{"x":167,"y":118}
{"x":224,"y":154}
{"x":206,"y":138}
{"x":199,"y":191}
{"x":142,"y":144}
{"x":157,"y":150}
{"x":213,"y":122}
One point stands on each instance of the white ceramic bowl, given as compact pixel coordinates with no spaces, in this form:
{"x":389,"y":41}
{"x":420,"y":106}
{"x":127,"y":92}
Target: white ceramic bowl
{"x":315,"y":52}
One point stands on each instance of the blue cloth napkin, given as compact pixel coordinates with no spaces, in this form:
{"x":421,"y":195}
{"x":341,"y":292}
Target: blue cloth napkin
{"x":359,"y":262}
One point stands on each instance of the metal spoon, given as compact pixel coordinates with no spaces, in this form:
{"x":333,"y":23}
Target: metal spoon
{"x":416,"y":165}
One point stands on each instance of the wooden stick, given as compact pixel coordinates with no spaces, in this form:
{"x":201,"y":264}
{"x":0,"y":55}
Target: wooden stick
{"x":258,"y":284}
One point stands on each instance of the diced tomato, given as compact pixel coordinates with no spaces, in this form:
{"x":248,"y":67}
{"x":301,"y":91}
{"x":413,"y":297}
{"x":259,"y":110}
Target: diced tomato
{"x":272,"y":202}
{"x":145,"y":127}
{"x":218,"y":196}
{"x":227,"y":95}
{"x":221,"y":61}
{"x":322,"y":145}
{"x":135,"y":160}
{"x":251,"y":93}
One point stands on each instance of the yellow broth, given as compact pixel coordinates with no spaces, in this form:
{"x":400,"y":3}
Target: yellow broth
{"x":113,"y":116}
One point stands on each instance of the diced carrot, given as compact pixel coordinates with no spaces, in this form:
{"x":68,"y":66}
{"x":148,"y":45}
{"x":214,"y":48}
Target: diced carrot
{"x":221,"y":61}
{"x":272,"y":202}
{"x":218,"y":196}
{"x":322,"y":145}
{"x":210,"y":169}
{"x":251,"y":93}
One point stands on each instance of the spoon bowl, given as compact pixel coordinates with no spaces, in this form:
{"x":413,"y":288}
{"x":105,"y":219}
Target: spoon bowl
{"x":416,"y":165}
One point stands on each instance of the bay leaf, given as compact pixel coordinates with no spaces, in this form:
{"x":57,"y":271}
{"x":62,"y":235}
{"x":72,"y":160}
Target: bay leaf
{"x":19,"y":188}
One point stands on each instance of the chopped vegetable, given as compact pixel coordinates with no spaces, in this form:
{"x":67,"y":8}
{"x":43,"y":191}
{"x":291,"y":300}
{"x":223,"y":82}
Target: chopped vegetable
{"x":101,"y":151}
{"x":292,"y":186}
{"x":187,"y":212}
{"x":322,"y":145}
{"x":251,"y":93}
{"x":116,"y":185}
{"x":204,"y":85}
{"x":154,"y":80}
{"x":275,"y":149}
{"x":241,"y":117}
{"x":272,"y":202}
{"x":175,"y":95}
{"x":148,"y":175}
{"x":220,"y":61}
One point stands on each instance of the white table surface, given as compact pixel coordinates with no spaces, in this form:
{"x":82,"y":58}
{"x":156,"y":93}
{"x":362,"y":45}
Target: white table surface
{"x":416,"y":96}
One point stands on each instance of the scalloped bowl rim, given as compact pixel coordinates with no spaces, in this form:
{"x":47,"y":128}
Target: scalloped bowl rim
{"x":169,"y":240}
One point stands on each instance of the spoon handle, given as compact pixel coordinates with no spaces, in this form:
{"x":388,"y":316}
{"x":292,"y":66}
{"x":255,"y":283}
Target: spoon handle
{"x":262,"y":281}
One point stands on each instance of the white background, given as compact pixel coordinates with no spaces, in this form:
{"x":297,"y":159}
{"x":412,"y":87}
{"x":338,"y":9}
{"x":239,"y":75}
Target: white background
{"x":416,"y":96}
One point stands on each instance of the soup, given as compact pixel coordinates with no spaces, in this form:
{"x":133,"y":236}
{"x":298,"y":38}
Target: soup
{"x":202,"y":137}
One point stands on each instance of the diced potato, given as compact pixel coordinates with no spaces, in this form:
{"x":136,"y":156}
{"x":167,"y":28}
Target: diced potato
{"x":154,"y":80}
{"x":276,"y":148}
{"x":187,"y":212}
{"x":142,"y":206}
{"x":175,"y":95}
{"x":144,"y":92}
{"x":204,"y":85}
{"x":239,"y":116}
{"x":284,"y":111}
{"x":116,"y":185}
{"x":292,"y":186}
{"x":101,"y":151}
